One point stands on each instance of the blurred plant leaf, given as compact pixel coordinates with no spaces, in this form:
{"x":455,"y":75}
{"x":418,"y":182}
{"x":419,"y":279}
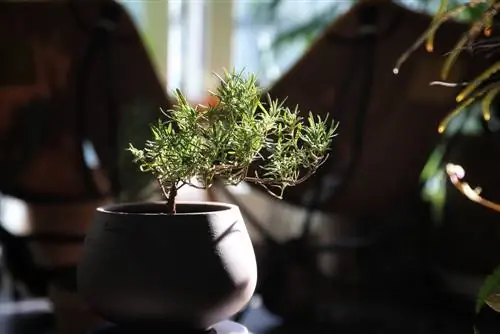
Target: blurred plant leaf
{"x":489,"y":293}
{"x":266,"y":10}
{"x":487,"y":101}
{"x":307,"y":30}
{"x":493,"y":301}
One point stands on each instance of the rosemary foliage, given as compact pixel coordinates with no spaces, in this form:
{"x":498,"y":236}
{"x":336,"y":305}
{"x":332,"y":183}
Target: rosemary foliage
{"x":193,"y":145}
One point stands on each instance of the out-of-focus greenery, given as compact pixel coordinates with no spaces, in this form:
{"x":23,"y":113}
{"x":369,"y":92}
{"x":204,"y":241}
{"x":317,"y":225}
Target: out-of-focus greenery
{"x":476,"y":97}
{"x":481,"y":91}
{"x":307,"y":31}
{"x":267,"y":11}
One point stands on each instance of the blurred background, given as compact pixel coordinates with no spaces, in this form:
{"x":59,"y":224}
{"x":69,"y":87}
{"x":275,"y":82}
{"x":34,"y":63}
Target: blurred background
{"x":394,"y":248}
{"x":188,"y":41}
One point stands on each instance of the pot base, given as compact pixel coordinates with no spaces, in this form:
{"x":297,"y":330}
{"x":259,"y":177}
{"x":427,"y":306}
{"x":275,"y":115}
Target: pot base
{"x":223,"y":327}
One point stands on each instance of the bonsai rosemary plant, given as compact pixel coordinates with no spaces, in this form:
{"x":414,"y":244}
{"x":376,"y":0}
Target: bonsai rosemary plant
{"x":193,"y":145}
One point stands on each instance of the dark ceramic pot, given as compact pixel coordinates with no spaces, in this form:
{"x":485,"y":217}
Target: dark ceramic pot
{"x":142,"y":267}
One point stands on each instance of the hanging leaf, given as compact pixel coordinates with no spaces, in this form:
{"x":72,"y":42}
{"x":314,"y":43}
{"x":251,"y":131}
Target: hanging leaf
{"x":478,"y":81}
{"x":486,"y":103}
{"x":443,"y":5}
{"x":438,"y":20}
{"x":452,"y":58}
{"x":493,"y":301}
{"x":489,"y":292}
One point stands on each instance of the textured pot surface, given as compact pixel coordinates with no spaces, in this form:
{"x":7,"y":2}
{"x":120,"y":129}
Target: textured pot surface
{"x":142,"y":266}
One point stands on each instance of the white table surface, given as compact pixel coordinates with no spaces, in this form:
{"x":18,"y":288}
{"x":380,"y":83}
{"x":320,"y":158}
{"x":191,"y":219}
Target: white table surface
{"x":230,"y":327}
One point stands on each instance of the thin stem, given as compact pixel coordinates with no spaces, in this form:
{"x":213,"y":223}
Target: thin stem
{"x":455,"y":174}
{"x":448,"y":84}
{"x":172,"y":194}
{"x":205,"y":187}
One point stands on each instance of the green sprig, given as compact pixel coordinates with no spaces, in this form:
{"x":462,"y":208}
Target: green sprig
{"x":227,"y":139}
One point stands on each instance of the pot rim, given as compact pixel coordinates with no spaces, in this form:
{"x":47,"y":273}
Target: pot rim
{"x":115,"y":208}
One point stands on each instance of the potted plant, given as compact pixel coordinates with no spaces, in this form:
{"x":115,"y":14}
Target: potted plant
{"x":190,"y":265}
{"x":480,"y":39}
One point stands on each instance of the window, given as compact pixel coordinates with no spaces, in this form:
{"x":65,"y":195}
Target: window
{"x":257,"y":27}
{"x":174,"y":34}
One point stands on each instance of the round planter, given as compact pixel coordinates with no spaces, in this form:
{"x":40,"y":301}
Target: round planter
{"x":143,"y":267}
